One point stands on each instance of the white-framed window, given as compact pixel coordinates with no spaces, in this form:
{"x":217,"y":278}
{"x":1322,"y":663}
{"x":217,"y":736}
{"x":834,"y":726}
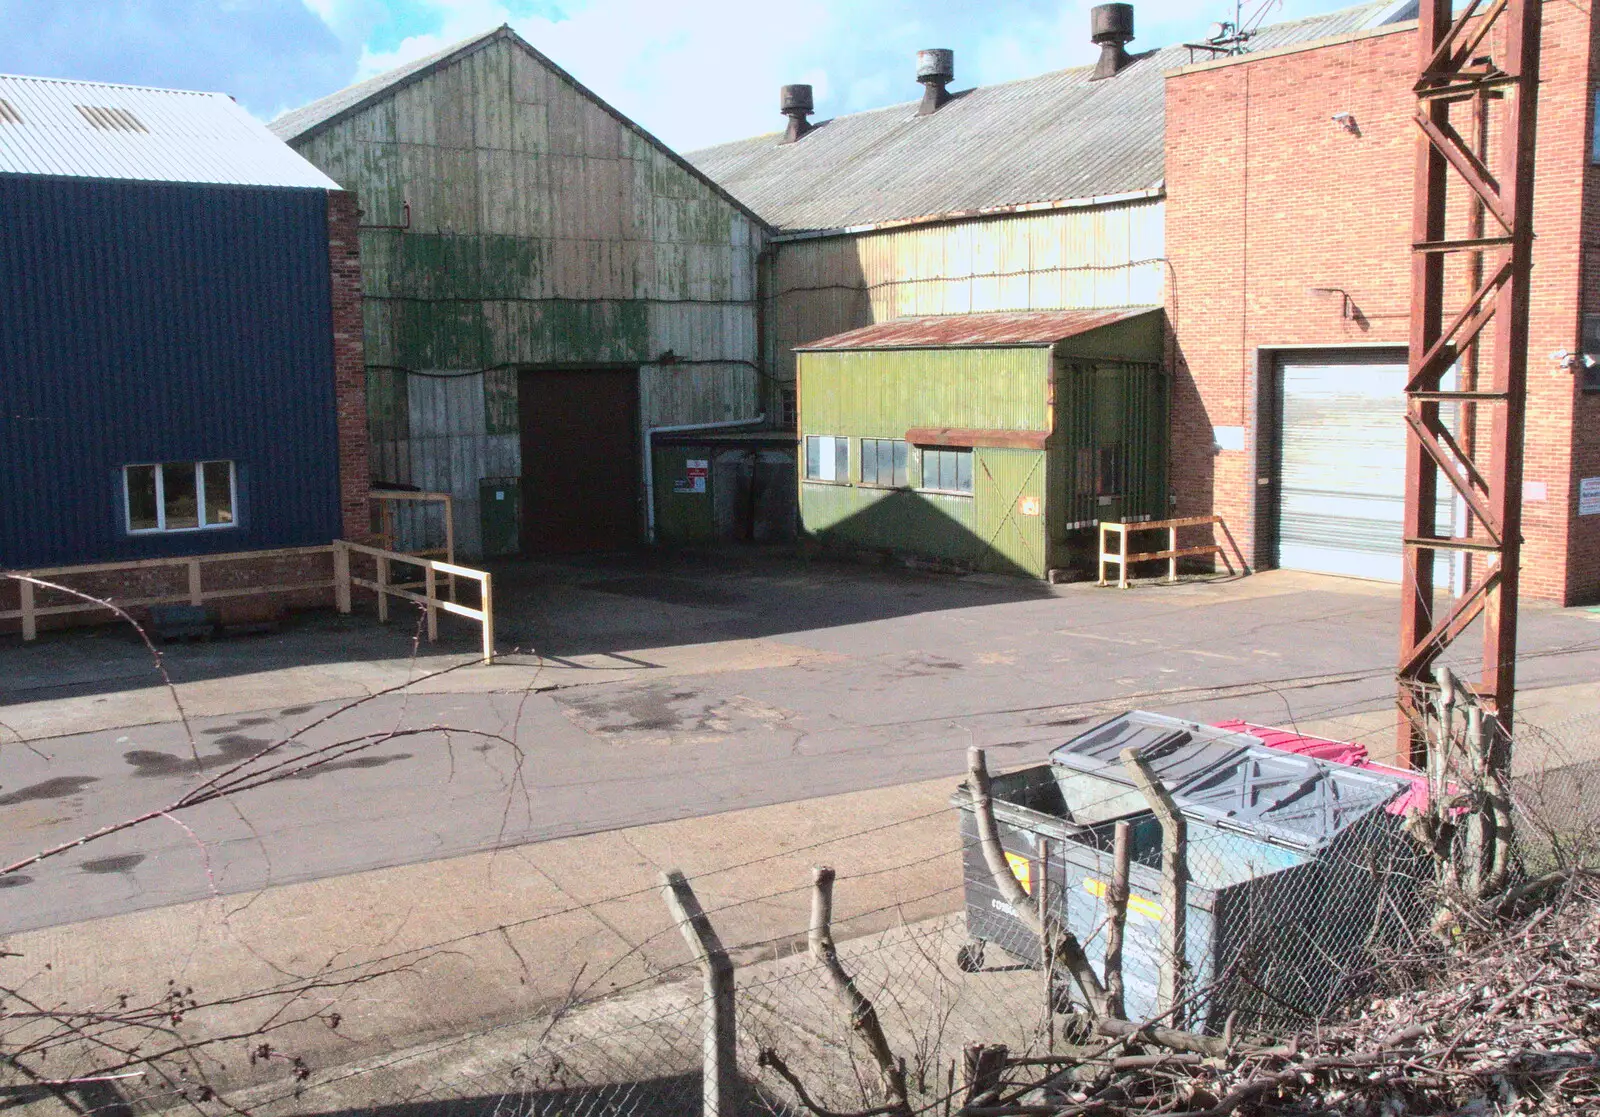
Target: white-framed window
{"x":178,"y":496}
{"x":883,"y":462}
{"x":947,"y":469}
{"x":827,"y":458}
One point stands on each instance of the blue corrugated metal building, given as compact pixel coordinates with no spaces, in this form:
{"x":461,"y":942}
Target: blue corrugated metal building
{"x":166,"y":330}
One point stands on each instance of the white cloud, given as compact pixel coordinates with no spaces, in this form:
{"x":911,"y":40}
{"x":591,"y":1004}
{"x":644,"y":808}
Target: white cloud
{"x":697,"y":72}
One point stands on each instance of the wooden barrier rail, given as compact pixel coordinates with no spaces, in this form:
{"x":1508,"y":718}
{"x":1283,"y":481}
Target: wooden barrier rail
{"x":388,"y":530}
{"x":385,"y":587}
{"x":196,"y":593}
{"x":1172,"y":554}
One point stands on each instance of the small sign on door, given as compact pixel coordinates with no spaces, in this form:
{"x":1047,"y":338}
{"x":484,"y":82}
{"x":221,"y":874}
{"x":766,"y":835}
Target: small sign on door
{"x":1589,"y":496}
{"x":695,"y":472}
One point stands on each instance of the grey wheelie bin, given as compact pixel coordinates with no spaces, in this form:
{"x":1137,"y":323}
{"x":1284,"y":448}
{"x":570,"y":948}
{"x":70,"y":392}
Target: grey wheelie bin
{"x":1294,"y":866}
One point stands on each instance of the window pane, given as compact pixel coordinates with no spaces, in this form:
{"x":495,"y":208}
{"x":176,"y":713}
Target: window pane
{"x":841,"y":459}
{"x":219,"y":492}
{"x":813,"y":456}
{"x":182,"y":503}
{"x":963,"y":470}
{"x":142,"y":498}
{"x":899,"y":479}
{"x":869,"y":461}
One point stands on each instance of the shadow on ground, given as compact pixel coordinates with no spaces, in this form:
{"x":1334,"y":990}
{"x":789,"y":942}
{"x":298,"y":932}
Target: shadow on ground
{"x":583,"y":606}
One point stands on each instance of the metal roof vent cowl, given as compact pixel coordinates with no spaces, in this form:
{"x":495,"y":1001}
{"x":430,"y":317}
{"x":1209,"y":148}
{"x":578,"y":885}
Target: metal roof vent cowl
{"x":1110,"y":26}
{"x":795,"y":102}
{"x":936,"y":69}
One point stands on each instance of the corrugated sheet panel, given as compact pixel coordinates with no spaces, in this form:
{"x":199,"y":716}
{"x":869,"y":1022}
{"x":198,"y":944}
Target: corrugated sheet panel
{"x":1051,"y":138}
{"x":1008,"y":492}
{"x":95,"y":130}
{"x":1041,"y":328}
{"x":933,"y":525}
{"x":883,"y":393}
{"x":574,"y":116}
{"x":1108,"y":256}
{"x":149,"y":322}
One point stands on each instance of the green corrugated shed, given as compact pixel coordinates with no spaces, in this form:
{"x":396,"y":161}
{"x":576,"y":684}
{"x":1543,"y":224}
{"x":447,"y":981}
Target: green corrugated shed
{"x":1063,"y":412}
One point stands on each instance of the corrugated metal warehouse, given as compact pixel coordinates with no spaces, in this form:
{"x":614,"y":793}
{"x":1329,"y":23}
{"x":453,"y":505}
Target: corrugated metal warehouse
{"x":985,"y":440}
{"x":1040,"y":194}
{"x":546,"y":286}
{"x":1037,"y":195}
{"x":172,"y":276}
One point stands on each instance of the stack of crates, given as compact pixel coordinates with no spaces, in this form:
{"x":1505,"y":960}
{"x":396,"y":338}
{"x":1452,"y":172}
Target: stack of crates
{"x":1295,"y":869}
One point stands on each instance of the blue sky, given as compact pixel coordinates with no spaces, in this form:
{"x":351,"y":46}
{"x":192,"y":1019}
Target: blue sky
{"x":694,"y":72}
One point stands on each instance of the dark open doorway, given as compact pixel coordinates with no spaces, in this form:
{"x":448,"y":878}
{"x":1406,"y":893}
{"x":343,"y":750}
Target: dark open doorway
{"x":580,"y":459}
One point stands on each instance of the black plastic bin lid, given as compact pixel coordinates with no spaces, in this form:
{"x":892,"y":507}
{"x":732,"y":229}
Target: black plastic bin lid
{"x":1233,"y":780}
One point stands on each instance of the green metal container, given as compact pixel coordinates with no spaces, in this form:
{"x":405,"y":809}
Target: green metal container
{"x":500,"y":515}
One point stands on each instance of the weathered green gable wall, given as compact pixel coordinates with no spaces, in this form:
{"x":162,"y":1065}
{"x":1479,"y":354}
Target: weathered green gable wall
{"x":543,"y":231}
{"x":880,"y":394}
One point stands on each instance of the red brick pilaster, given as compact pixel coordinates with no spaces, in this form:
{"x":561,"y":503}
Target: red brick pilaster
{"x":349,"y":363}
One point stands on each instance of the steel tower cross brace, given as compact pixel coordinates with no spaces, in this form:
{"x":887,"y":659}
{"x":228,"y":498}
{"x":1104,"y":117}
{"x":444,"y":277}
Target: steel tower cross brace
{"x":1483,"y":61}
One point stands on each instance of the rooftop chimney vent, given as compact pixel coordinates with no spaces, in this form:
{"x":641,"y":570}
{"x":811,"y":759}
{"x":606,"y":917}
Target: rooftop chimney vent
{"x":936,"y":69}
{"x":1111,"y":26}
{"x":795,"y":102}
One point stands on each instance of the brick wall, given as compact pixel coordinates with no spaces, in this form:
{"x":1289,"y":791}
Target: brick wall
{"x":1268,"y":197}
{"x":349,"y":363}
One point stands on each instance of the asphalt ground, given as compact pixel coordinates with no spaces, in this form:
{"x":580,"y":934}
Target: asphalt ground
{"x":642,"y":691}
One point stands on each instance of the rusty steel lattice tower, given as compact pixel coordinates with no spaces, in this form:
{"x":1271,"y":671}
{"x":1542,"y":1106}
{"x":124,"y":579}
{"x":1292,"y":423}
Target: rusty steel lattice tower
{"x":1471,"y":225}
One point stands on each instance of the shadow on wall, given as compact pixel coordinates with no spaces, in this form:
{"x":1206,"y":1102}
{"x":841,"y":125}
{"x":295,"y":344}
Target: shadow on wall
{"x":1192,"y":469}
{"x":904,"y":522}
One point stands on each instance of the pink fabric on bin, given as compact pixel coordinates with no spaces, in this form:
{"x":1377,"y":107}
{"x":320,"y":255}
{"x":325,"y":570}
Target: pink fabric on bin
{"x":1337,"y":752}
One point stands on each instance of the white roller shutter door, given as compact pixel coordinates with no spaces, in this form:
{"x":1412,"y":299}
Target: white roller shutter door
{"x":1342,"y":485}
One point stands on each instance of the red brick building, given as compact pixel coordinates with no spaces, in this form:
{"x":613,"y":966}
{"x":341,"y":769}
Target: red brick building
{"x":1289,"y":197}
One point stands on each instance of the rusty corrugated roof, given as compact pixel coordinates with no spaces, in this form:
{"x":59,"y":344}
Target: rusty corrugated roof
{"x":1022,"y":328}
{"x":1054,"y":138}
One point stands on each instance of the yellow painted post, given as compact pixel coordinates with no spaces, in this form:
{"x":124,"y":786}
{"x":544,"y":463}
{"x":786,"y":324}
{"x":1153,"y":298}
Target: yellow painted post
{"x":1102,"y":554}
{"x":486,"y":603}
{"x":430,"y":592}
{"x":1172,"y":561}
{"x":30,"y":623}
{"x":1122,"y":571}
{"x":341,"y":576}
{"x":195,"y":596}
{"x":382,"y":579}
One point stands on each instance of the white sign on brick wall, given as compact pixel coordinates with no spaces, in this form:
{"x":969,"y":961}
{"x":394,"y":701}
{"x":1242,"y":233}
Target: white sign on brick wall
{"x":1589,"y":496}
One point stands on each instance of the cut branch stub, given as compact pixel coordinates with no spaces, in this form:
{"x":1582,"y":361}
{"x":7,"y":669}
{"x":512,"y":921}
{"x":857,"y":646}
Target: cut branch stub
{"x":863,"y":1016}
{"x":1174,"y":877}
{"x":1065,"y":945}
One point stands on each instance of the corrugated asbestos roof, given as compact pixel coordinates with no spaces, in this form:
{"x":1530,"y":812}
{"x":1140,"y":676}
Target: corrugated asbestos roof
{"x":1053,"y":138}
{"x":309,"y":118}
{"x":324,"y":113}
{"x":1028,"y":328}
{"x":83,"y":129}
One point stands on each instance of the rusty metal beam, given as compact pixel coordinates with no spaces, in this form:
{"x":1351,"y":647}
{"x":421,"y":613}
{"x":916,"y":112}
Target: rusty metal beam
{"x":1485,"y":467}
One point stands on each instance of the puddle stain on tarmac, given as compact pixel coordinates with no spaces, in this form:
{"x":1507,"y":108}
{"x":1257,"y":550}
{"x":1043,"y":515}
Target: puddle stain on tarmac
{"x":121,"y":863}
{"x":61,"y":787}
{"x":233,"y":748}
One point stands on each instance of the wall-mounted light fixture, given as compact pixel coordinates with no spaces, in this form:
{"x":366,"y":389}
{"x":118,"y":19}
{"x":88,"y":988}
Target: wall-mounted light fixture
{"x":1347,"y":121}
{"x":1347,"y":305}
